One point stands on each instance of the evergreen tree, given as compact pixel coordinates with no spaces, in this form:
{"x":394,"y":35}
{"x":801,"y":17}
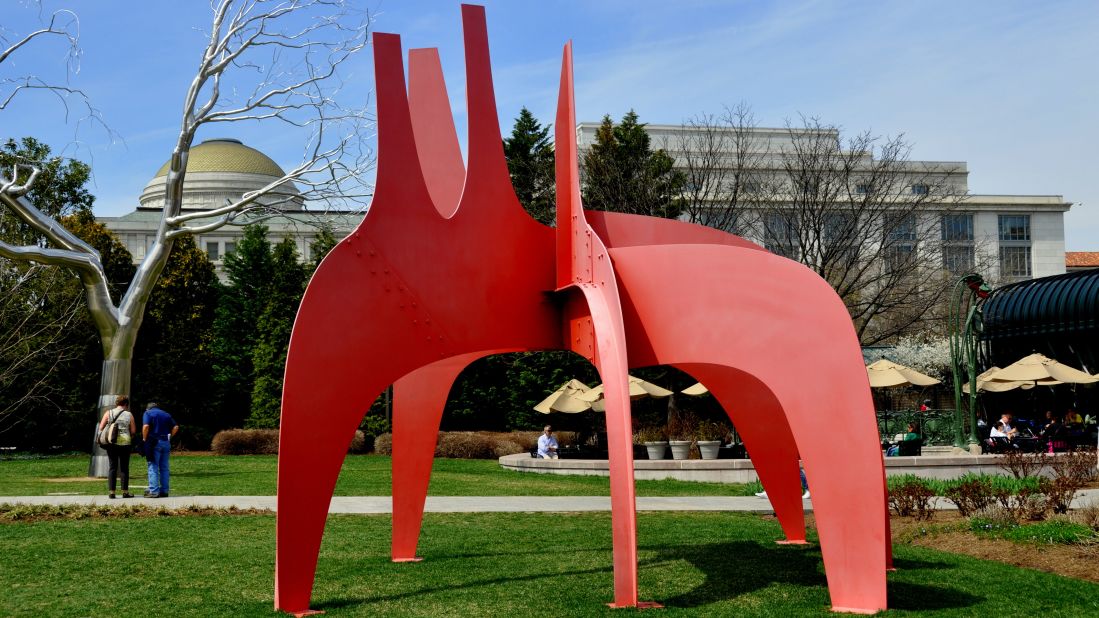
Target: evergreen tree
{"x":622,"y":173}
{"x":529,"y":154}
{"x":174,"y":356}
{"x":249,"y":270}
{"x":321,"y":245}
{"x":273,"y":335}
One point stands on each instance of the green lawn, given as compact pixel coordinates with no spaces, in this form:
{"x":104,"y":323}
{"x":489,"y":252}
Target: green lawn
{"x":697,"y":564}
{"x":362,"y":475}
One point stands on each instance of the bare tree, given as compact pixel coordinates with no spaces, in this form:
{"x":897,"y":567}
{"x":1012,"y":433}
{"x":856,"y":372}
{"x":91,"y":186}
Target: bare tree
{"x":272,"y":61}
{"x":725,"y":160}
{"x":859,"y":212}
{"x":868,"y":220}
{"x":34,"y":343}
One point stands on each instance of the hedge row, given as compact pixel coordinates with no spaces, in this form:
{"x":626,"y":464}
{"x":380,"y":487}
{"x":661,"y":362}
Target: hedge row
{"x":479,"y":444}
{"x":453,"y":444}
{"x":263,"y":442}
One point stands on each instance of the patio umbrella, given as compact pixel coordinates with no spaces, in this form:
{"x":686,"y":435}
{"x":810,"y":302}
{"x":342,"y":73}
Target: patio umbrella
{"x":884,"y":374}
{"x":1041,"y":370}
{"x":985,"y":385}
{"x":639,"y":389}
{"x":696,"y":389}
{"x":566,"y":399}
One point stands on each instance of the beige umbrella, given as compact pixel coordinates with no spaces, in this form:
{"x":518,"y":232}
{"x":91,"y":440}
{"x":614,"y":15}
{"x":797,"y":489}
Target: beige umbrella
{"x":1041,"y":370}
{"x":566,"y":399}
{"x":639,"y":389}
{"x":884,"y":374}
{"x":985,"y":385}
{"x":696,"y":389}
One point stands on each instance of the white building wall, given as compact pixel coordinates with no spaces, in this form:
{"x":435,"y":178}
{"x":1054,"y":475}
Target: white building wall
{"x":1047,"y":233}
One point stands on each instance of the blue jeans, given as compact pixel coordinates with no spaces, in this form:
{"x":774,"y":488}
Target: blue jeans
{"x":158,"y":468}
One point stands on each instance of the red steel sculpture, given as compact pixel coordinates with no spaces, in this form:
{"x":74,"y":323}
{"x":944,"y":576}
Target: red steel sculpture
{"x":447,"y":267}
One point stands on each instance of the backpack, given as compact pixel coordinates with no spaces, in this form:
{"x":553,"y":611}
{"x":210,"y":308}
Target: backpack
{"x":108,"y":436}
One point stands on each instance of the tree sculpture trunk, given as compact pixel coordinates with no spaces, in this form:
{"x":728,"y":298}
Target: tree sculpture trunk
{"x":114,"y":381}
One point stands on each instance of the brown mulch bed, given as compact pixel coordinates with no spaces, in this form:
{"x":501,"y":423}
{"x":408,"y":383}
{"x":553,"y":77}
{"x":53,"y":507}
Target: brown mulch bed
{"x":25,"y":513}
{"x":941,"y":533}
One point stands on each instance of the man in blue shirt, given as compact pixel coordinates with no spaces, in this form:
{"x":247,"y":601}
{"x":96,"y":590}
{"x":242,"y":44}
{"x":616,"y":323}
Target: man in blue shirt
{"x":157,"y":428}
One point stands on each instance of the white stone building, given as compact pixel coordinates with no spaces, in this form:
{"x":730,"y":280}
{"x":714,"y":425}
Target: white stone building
{"x":220,"y":170}
{"x":1023,"y":234}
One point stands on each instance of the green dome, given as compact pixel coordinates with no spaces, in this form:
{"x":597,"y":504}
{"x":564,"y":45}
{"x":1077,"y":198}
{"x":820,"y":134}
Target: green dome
{"x":227,"y":155}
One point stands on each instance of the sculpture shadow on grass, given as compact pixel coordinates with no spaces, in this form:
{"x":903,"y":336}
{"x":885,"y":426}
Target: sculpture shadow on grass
{"x":736,"y":568}
{"x":741,"y":567}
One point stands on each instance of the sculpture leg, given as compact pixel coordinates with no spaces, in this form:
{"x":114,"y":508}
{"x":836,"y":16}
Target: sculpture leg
{"x":605,"y":324}
{"x":761,"y":423}
{"x":779,"y":322}
{"x":418,"y":401}
{"x":312,"y":448}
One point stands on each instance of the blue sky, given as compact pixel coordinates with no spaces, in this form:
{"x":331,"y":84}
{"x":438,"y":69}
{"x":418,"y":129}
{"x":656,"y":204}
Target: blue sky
{"x":1012,"y":88}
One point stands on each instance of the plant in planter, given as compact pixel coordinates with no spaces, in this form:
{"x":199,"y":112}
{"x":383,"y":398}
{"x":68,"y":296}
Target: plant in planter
{"x":709,"y":435}
{"x":681,"y":430}
{"x":654,"y":440}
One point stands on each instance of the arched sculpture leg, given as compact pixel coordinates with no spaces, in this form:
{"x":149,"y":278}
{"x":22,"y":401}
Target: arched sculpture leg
{"x":783,"y":325}
{"x":418,"y":401}
{"x":610,"y":360}
{"x":766,"y":433}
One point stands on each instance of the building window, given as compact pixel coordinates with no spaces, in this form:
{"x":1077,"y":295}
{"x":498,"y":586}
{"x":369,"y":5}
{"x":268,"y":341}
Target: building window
{"x":899,"y":241}
{"x":862,"y":189}
{"x":1015,"y":262}
{"x":212,"y":251}
{"x":780,"y":235}
{"x":958,"y":249}
{"x":230,"y":248}
{"x":920,"y":189}
{"x":1015,"y":227}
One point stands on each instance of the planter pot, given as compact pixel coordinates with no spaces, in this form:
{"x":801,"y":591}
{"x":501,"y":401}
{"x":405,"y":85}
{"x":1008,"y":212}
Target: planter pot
{"x":709,"y":448}
{"x":657,"y":450}
{"x":681,"y":449}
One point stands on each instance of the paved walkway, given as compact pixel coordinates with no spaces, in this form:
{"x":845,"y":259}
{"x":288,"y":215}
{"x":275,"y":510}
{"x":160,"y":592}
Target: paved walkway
{"x":467,"y":504}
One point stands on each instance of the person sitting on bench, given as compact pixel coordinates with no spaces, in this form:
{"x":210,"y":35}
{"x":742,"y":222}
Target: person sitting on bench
{"x":547,"y":444}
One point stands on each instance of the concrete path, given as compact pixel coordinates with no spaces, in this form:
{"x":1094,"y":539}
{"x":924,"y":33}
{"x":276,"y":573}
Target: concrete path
{"x":467,"y":504}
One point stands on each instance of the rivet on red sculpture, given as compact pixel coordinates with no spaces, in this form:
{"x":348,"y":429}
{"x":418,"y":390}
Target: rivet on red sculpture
{"x":446,"y":268}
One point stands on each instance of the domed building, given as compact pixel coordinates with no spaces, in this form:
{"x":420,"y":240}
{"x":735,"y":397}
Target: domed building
{"x":221,"y":170}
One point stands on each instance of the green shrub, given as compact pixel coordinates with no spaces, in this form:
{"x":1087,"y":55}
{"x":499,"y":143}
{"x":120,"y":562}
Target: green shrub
{"x":910,"y":496}
{"x":971,"y":495}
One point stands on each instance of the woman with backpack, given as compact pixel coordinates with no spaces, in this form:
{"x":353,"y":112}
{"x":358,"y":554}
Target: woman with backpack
{"x":116,"y":430}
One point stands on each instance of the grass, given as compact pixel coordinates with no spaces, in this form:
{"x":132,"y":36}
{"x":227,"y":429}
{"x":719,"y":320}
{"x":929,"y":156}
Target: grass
{"x":362,"y":475}
{"x":1051,"y":532}
{"x":697,"y":564}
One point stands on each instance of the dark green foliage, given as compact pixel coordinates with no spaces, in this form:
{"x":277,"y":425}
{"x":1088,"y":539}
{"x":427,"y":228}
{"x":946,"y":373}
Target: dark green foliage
{"x":273,"y":335}
{"x":174,"y":355}
{"x":249,"y":270}
{"x":50,"y":356}
{"x":321,"y":245}
{"x":498,"y":392}
{"x":622,"y":173}
{"x":58,"y":191}
{"x":117,"y":262}
{"x":529,"y":153}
